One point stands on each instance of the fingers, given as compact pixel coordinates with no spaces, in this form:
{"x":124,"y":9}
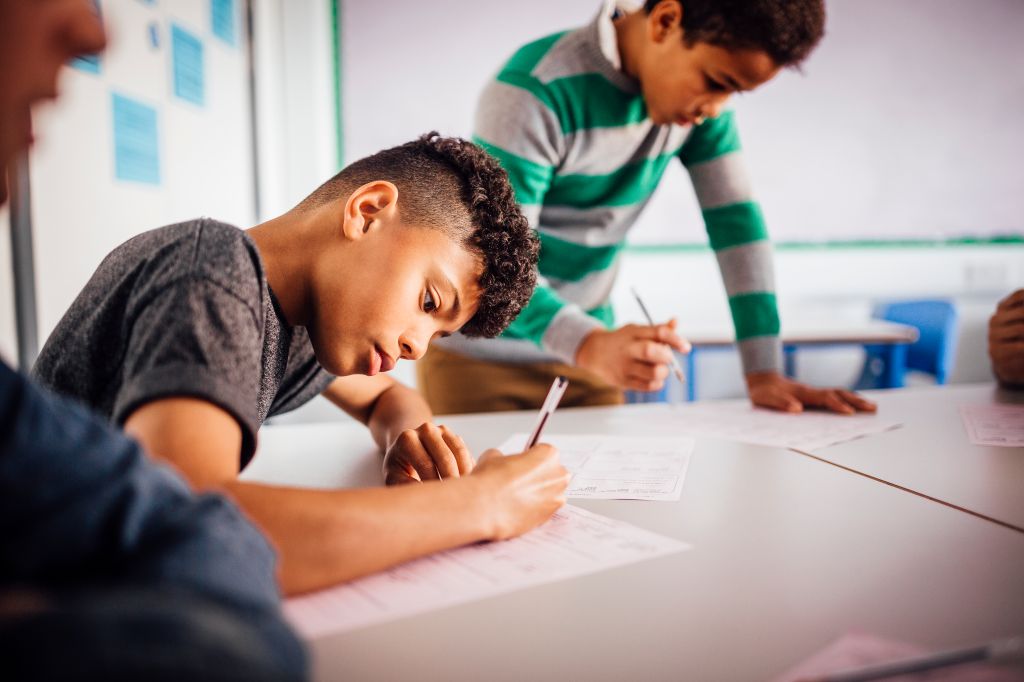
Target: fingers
{"x":832,"y":402}
{"x":776,"y":398}
{"x":489,"y":454}
{"x":649,"y":351}
{"x":544,"y":453}
{"x":1007,"y":349}
{"x":410,"y":449}
{"x":1006,"y":333}
{"x":1007,"y":322}
{"x":836,"y":400}
{"x":398,"y":477}
{"x":859,"y":403}
{"x":642,"y":376}
{"x":662,"y":333}
{"x":440,"y":450}
{"x":1014,"y":299}
{"x":463,"y":457}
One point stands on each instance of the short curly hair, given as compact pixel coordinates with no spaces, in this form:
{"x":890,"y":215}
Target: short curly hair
{"x":452,"y":184}
{"x":787,"y":30}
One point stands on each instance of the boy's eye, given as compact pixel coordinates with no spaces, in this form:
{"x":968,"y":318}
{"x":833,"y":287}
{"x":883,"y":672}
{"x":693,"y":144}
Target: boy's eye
{"x":429,"y":304}
{"x":713,"y":85}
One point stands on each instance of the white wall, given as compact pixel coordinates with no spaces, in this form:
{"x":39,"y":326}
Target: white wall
{"x":905,"y":122}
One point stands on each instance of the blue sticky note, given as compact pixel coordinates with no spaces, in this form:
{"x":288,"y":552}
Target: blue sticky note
{"x":187,"y":57}
{"x":223,"y":17}
{"x":89,"y":63}
{"x":136,"y":143}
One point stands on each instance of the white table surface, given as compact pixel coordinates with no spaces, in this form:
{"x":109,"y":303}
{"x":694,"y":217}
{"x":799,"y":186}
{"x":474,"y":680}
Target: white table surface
{"x":789,"y":554}
{"x":933,"y":455}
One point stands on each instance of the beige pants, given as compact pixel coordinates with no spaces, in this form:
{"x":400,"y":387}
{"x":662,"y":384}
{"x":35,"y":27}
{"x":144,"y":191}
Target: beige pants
{"x":454,"y":384}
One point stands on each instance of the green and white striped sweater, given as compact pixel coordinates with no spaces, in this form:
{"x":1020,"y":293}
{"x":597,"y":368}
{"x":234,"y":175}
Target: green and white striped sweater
{"x":572,"y":131}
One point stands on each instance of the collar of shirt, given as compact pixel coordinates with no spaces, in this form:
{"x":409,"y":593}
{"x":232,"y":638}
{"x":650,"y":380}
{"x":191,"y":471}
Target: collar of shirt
{"x":608,"y":41}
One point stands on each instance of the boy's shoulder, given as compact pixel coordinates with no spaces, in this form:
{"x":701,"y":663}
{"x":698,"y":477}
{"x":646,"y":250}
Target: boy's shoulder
{"x":525,"y":60}
{"x":560,"y":68}
{"x":200,"y":249}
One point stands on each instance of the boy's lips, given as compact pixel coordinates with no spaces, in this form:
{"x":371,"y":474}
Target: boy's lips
{"x":381,"y":361}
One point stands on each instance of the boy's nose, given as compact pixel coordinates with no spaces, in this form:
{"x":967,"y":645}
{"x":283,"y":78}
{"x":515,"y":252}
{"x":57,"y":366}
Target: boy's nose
{"x":716,"y":106}
{"x":412,"y":347}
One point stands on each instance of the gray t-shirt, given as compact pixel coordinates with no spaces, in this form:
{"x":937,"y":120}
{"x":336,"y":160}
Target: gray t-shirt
{"x":183,"y":310}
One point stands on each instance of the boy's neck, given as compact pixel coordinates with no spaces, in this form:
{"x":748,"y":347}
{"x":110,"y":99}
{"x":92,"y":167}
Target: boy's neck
{"x":629,"y":36}
{"x":285,"y":244}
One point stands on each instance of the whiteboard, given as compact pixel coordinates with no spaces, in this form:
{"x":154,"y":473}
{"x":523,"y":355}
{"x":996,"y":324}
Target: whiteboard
{"x":905,"y":123}
{"x":80,"y":209}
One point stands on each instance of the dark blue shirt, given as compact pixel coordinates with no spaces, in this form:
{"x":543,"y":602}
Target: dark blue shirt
{"x":82,"y":507}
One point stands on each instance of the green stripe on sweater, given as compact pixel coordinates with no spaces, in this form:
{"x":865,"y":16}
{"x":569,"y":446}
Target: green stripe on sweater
{"x":711,"y":139}
{"x":529,"y":180}
{"x":572,"y":262}
{"x":534,"y":319}
{"x":581,"y":102}
{"x":754,"y":314}
{"x":529,"y":55}
{"x":735,"y":224}
{"x":631,"y":184}
{"x":604,"y":313}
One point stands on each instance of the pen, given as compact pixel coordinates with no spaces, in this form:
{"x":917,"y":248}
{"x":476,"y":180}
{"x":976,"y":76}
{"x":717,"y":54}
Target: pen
{"x":1000,"y":650}
{"x":650,"y":320}
{"x":550,"y":403}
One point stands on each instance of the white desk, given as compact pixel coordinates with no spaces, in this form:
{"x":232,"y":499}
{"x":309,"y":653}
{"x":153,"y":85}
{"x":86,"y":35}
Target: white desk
{"x":932,"y":454}
{"x":789,"y":553}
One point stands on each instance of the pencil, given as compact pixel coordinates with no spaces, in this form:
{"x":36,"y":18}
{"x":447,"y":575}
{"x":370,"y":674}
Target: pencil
{"x":676,"y":369}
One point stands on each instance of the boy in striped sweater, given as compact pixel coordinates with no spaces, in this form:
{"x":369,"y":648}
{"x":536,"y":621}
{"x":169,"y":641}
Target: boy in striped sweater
{"x":585,"y":122}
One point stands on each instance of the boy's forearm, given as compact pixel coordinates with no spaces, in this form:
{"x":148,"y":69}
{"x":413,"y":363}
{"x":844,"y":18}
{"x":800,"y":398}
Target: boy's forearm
{"x":326,"y":537}
{"x":397,"y":409}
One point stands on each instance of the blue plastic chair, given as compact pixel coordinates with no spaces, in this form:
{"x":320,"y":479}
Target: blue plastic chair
{"x":933,"y":353}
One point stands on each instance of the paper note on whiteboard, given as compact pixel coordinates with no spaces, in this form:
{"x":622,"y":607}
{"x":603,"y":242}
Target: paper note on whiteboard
{"x":573,"y":543}
{"x":187,"y":66}
{"x":999,"y":425}
{"x":617,"y":468}
{"x":223,"y":19}
{"x":136,"y":141}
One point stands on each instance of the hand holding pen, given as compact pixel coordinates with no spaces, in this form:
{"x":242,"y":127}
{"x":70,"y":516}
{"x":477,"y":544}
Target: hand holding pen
{"x":634,"y":357}
{"x":650,"y":320}
{"x":524,"y":490}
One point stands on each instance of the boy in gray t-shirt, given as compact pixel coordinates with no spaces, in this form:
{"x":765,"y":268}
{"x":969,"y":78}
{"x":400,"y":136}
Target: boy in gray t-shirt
{"x":192,"y":334}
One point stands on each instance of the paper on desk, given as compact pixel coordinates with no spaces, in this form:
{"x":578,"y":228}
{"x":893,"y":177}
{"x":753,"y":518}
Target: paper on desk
{"x":858,"y":650}
{"x":573,"y":543}
{"x":617,"y":468}
{"x":746,"y":424}
{"x":1000,"y":425}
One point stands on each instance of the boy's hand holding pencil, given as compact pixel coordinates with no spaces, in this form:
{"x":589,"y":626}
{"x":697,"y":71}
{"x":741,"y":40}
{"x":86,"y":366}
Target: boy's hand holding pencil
{"x":635,"y":357}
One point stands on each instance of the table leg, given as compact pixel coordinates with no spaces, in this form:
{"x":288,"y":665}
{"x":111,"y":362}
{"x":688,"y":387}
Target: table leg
{"x":894,"y":373}
{"x":789,"y":360}
{"x":691,"y":375}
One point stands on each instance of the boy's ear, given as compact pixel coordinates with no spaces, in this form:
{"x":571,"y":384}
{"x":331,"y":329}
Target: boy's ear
{"x":664,"y":19}
{"x":368,"y":208}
